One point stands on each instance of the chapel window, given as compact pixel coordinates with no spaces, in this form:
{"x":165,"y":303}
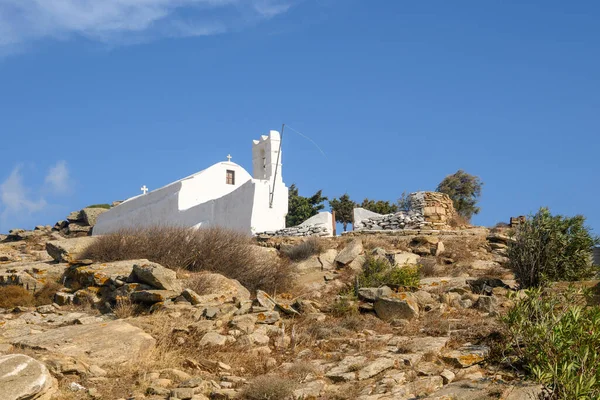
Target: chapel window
{"x":230,"y":180}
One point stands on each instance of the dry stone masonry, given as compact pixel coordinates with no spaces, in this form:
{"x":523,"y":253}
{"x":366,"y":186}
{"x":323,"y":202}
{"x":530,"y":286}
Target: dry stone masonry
{"x":318,"y":225}
{"x":428,"y":210}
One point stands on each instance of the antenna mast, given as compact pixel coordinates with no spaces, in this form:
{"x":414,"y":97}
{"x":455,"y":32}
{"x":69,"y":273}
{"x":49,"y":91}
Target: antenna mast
{"x":276,"y":167}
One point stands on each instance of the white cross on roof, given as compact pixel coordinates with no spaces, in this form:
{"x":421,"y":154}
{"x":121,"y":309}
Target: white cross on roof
{"x":229,"y":157}
{"x":144,"y":189}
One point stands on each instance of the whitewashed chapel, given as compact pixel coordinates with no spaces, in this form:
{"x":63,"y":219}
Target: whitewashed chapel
{"x":224,"y":194}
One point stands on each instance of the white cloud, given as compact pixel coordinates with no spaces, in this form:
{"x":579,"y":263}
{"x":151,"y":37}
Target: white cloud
{"x":15,"y":198}
{"x":58,"y":179}
{"x":117,"y":21}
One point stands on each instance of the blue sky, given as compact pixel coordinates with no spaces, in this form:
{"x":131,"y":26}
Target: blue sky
{"x":100,"y":98}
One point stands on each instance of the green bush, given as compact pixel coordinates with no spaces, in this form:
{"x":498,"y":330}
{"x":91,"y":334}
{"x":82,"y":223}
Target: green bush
{"x":378,"y":272}
{"x":556,"y":341}
{"x":551,"y":248}
{"x":106,"y":206}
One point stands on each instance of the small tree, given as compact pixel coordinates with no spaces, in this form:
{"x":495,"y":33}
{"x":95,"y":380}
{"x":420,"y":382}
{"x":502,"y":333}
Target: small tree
{"x":344,"y":209}
{"x":551,"y":248}
{"x":464,"y":190}
{"x":301,"y":208}
{"x":379,"y":206}
{"x":404,"y":203}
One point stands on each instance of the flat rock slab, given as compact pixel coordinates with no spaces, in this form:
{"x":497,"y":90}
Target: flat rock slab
{"x":67,"y":250}
{"x":101,"y":274}
{"x":102,"y":344}
{"x":22,"y":377}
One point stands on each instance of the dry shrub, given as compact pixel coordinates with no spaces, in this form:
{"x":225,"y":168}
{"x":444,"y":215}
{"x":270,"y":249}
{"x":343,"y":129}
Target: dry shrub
{"x":301,"y":370}
{"x":458,"y":221}
{"x":46,"y":294}
{"x":213,"y":249}
{"x":126,"y":308}
{"x":429,"y":267}
{"x":464,"y":248}
{"x":386,"y":242}
{"x":269,"y":387}
{"x":302,"y":251}
{"x":13,"y":296}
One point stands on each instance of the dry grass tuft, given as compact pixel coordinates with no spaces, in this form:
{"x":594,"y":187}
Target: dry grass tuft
{"x":13,"y":296}
{"x":269,"y":387}
{"x":302,"y":251}
{"x":214,"y":249}
{"x":386,"y":242}
{"x":46,"y":294}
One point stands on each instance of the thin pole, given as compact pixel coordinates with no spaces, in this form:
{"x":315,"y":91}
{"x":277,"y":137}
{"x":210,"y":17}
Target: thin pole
{"x":276,"y":167}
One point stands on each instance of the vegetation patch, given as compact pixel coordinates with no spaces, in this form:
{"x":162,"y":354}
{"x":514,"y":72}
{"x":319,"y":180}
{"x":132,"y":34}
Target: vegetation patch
{"x":14,"y":296}
{"x":550,"y":248}
{"x":302,"y":251}
{"x":555,"y":338}
{"x":105,"y":206}
{"x":378,"y":272}
{"x":269,"y":387}
{"x":219,"y":250}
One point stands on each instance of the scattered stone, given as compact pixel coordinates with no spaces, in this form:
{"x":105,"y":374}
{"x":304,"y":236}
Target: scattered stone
{"x":269,"y":317}
{"x":466,"y":356}
{"x":156,"y":276}
{"x":22,"y":377}
{"x":374,"y":368}
{"x":390,"y":308}
{"x":372,"y":294}
{"x":448,"y":376}
{"x":213,"y":339}
{"x":350,"y":252}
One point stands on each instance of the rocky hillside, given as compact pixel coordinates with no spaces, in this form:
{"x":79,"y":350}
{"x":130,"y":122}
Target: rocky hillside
{"x":135,"y":329}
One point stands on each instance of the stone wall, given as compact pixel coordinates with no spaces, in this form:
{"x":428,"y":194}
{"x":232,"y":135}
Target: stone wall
{"x":428,"y":210}
{"x":319,"y":225}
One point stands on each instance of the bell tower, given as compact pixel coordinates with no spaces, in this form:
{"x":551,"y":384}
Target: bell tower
{"x":266,"y":157}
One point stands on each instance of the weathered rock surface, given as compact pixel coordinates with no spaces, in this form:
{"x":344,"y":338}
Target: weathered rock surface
{"x":156,"y":276}
{"x":31,"y":275}
{"x":23,"y":378}
{"x":68,"y":250}
{"x":222,"y":289}
{"x":466,"y":356}
{"x":350,"y":252}
{"x":401,"y":307}
{"x":101,"y":344}
{"x":90,"y":215}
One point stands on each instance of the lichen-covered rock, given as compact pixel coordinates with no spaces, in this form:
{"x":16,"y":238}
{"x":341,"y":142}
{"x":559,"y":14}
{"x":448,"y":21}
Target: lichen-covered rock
{"x":466,"y":356}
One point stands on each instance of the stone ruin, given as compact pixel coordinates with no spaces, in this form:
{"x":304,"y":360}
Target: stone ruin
{"x":428,"y":210}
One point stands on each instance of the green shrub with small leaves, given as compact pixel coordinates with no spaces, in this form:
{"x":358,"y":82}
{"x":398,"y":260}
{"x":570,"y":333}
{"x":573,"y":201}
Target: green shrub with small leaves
{"x":550,"y":248}
{"x":555,"y":338}
{"x":379,"y":271}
